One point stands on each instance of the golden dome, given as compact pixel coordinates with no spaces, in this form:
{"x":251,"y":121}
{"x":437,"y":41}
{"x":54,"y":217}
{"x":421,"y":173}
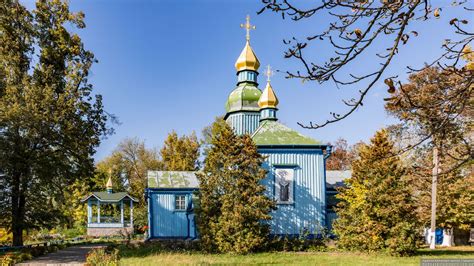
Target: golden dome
{"x":247,"y":59}
{"x":268,"y":98}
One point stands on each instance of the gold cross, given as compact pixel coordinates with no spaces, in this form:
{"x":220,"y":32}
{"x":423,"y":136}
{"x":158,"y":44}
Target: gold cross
{"x":247,"y":27}
{"x":269,"y":73}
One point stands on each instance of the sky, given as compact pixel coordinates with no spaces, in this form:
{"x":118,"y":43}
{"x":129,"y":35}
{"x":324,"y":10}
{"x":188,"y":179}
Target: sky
{"x":169,"y":65}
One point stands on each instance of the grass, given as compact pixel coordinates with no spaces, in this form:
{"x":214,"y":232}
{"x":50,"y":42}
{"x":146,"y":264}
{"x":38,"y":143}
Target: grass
{"x":151,"y":256}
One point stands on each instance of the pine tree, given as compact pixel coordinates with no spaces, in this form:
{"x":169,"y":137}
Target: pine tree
{"x":376,"y":211}
{"x":232,"y":207}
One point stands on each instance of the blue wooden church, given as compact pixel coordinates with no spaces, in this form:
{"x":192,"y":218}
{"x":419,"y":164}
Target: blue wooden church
{"x":295,"y":163}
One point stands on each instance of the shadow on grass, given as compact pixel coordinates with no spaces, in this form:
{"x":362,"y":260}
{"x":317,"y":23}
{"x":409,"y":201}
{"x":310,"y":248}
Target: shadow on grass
{"x":448,"y":252}
{"x":152,"y":248}
{"x":142,"y":250}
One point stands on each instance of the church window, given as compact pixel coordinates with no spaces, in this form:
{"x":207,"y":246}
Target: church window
{"x":284,"y":185}
{"x":180,"y":202}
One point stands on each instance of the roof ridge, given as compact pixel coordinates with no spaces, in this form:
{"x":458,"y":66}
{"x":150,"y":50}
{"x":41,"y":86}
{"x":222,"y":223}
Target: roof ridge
{"x":258,"y":128}
{"x":276,"y":133}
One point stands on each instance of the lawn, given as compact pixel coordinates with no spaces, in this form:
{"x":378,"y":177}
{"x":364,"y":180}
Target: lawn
{"x":150,"y":257}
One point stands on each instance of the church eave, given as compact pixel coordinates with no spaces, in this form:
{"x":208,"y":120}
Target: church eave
{"x":293,"y":146}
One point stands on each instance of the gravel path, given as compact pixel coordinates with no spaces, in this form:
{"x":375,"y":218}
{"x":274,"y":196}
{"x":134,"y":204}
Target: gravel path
{"x":75,"y":255}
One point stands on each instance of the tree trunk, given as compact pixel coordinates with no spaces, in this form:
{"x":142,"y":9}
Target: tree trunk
{"x":18,"y":211}
{"x":433,"y":196}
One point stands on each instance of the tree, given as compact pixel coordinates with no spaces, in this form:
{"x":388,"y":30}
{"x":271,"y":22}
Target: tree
{"x":433,"y":103}
{"x":354,"y":32}
{"x":341,"y":156}
{"x":455,"y":193}
{"x":376,"y":210}
{"x":232,"y":207}
{"x":180,"y":153}
{"x":73,"y":209}
{"x":128,"y":166}
{"x":50,"y":120}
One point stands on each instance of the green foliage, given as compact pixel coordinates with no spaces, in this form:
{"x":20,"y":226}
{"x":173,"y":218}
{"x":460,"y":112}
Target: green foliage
{"x":180,"y":153}
{"x":300,"y":243}
{"x":377,"y":211}
{"x":232,"y":207}
{"x":50,"y":119}
{"x":103,"y":257}
{"x":128,"y":164}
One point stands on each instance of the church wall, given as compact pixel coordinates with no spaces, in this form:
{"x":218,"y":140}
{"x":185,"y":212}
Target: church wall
{"x":244,"y":122}
{"x":164,"y":220}
{"x":307,"y":211}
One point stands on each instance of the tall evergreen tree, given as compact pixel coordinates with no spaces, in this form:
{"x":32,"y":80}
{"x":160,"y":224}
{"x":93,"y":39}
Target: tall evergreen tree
{"x":50,"y":120}
{"x":376,"y":211}
{"x":232,"y":207}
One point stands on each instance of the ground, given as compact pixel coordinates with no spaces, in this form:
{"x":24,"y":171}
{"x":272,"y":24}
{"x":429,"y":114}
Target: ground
{"x":75,"y":255}
{"x":150,"y":257}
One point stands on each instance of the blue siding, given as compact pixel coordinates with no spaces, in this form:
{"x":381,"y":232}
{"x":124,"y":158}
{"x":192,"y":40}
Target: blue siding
{"x":309,"y":207}
{"x":247,"y":75}
{"x":244,"y":122}
{"x":165,"y":221}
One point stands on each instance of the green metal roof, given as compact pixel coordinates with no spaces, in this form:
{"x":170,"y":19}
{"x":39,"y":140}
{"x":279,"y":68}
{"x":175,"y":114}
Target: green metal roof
{"x":243,"y":98}
{"x":172,"y":179}
{"x":272,"y":132}
{"x":109,"y":197}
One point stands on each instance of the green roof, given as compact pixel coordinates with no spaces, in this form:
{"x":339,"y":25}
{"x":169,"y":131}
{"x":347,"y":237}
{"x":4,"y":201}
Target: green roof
{"x":243,"y":98}
{"x":109,"y":197}
{"x":272,"y":132}
{"x":172,"y":179}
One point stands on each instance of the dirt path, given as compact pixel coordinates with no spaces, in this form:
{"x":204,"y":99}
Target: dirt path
{"x":75,"y":255}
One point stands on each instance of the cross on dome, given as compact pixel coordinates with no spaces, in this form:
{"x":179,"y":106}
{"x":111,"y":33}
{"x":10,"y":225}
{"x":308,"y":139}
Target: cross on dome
{"x":248,"y":27}
{"x":269,"y":73}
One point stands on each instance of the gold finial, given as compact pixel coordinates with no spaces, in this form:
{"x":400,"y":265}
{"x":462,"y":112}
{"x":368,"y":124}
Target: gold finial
{"x":268,"y":99}
{"x":269,"y":73}
{"x":109,"y":185}
{"x":247,"y":27}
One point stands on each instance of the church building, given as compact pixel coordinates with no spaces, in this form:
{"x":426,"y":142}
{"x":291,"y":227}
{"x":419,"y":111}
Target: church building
{"x":295,"y":164}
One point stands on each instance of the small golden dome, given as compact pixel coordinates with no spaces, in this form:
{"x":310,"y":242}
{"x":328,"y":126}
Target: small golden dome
{"x":109,"y":183}
{"x":268,"y":98}
{"x":247,"y":59}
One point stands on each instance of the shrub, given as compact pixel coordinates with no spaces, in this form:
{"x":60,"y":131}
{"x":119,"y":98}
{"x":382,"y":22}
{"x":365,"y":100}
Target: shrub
{"x":103,"y":257}
{"x":24,"y":256}
{"x":8,"y":259}
{"x":74,"y":232}
{"x":302,"y":242}
{"x":38,"y":251}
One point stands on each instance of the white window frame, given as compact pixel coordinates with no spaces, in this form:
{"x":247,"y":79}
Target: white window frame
{"x":179,"y":202}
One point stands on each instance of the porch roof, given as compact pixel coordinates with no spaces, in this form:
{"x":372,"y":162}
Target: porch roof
{"x":104,"y":196}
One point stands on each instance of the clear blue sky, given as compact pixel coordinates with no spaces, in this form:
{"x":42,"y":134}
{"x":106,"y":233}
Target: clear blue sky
{"x":169,"y":65}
